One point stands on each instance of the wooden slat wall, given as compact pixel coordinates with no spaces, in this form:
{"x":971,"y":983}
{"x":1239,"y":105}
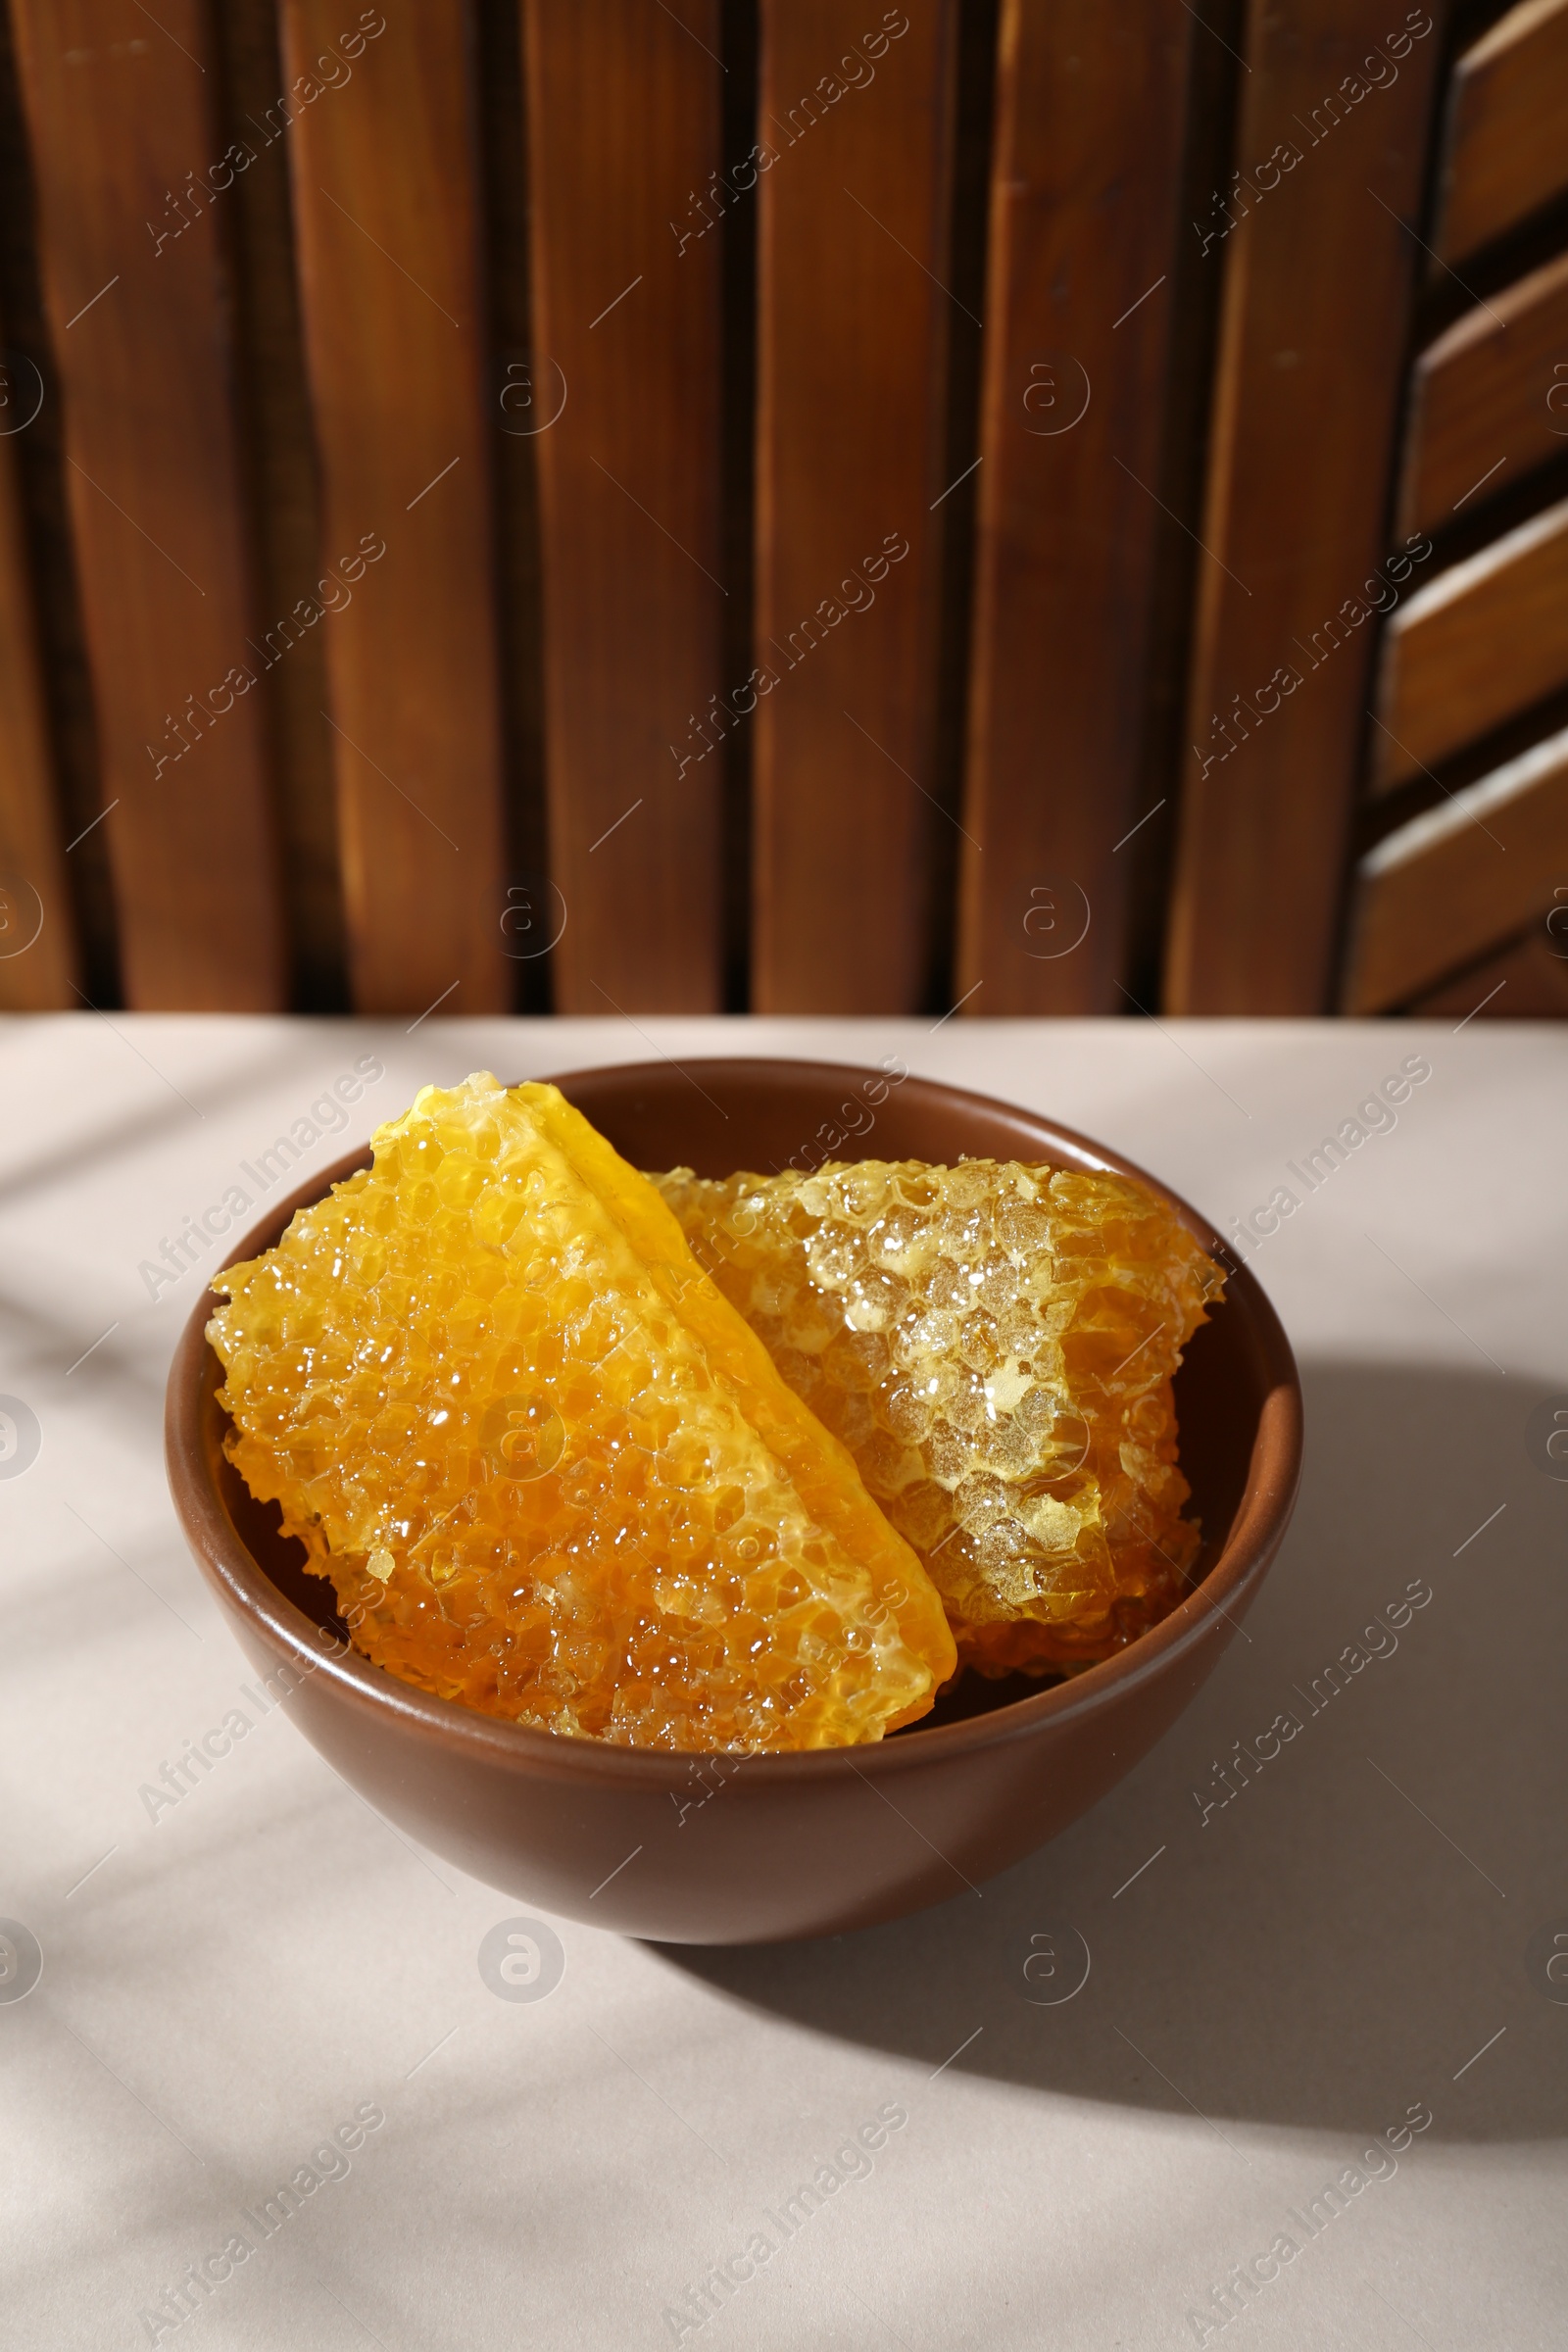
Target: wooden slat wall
{"x":1506,"y":149}
{"x":1085,"y":194}
{"x":394,"y":317}
{"x":623,"y":136}
{"x":853,"y":327}
{"x":1478,"y":644}
{"x":1489,"y":401}
{"x":118,"y":113}
{"x":38,"y":960}
{"x":1298,"y":490}
{"x":355,"y":654}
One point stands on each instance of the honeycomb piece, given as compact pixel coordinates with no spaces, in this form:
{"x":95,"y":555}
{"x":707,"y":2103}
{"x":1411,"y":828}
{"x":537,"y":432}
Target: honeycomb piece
{"x":547,"y":1467}
{"x":994,"y":1345}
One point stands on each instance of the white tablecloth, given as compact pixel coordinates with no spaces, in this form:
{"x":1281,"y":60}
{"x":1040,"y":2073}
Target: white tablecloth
{"x":1356,"y":1941}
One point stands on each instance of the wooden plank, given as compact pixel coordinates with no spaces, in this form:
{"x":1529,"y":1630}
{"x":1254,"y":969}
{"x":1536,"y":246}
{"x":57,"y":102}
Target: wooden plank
{"x":38,"y":956}
{"x":853,"y":325}
{"x":120,"y":116}
{"x":1505,"y":153}
{"x":1526,"y":980}
{"x":382,"y":166}
{"x":1085,"y":196}
{"x":281,"y":448}
{"x":1476,"y":646}
{"x":504,"y":151}
{"x":1313,"y":326}
{"x":623,"y":133}
{"x":1489,"y":401}
{"x":1439,"y":891}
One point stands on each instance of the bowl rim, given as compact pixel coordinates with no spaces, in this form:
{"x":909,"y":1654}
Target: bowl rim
{"x":1262,"y":1516}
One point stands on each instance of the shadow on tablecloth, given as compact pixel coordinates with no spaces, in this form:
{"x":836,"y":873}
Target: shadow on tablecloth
{"x":1337,"y":1940}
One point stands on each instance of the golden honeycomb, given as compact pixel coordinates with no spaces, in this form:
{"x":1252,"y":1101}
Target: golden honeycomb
{"x":547,"y":1468}
{"x":995,"y":1344}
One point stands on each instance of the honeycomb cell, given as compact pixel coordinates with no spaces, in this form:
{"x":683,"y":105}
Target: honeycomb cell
{"x":547,"y":1468}
{"x":994,"y":1343}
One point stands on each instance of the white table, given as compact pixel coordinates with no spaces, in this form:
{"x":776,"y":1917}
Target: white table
{"x":228,"y":1981}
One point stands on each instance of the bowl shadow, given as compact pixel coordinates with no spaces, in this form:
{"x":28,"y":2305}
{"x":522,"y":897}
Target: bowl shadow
{"x":1340,"y":1937}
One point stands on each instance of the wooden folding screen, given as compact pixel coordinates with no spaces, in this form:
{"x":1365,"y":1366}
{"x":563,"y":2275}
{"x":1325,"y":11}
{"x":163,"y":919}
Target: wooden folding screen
{"x":656,"y":505}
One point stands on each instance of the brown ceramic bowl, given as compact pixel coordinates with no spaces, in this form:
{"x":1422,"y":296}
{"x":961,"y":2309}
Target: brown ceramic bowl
{"x":780,"y":1845}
